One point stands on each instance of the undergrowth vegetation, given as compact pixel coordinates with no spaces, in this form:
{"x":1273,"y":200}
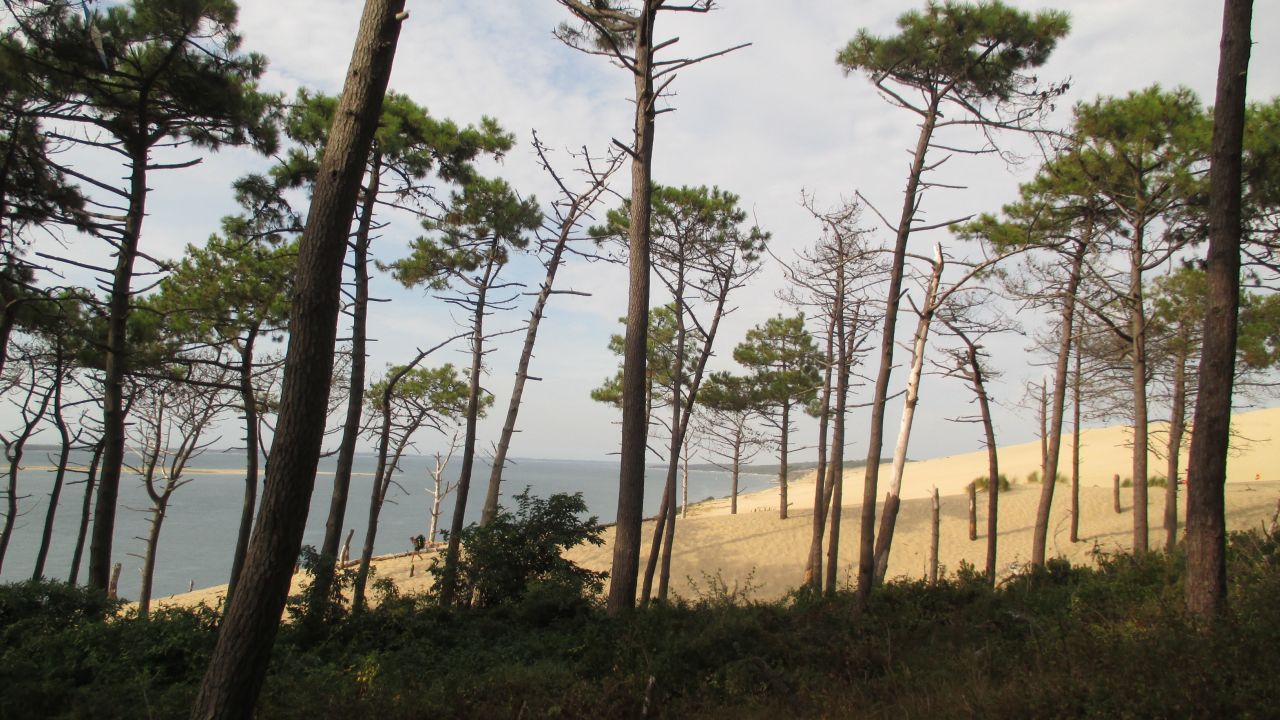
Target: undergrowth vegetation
{"x":1107,"y":642}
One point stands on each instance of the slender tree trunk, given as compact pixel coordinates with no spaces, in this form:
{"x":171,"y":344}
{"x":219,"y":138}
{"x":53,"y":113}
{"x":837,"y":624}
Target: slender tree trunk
{"x":843,"y":363}
{"x":1207,"y":464}
{"x":1177,"y":415}
{"x":813,"y":570}
{"x":324,"y":575}
{"x":737,"y":465}
{"x":1115,"y":493}
{"x":1075,"y":448}
{"x":149,"y":556}
{"x":893,"y":499}
{"x":64,"y":453}
{"x":936,"y":507}
{"x":664,"y":528}
{"x":1138,"y":331}
{"x":993,"y":463}
{"x":381,"y":485}
{"x":667,"y":513}
{"x":86,"y":508}
{"x":684,"y":472}
{"x":113,"y":425}
{"x":449,"y":576}
{"x":782,"y":459}
{"x":888,"y":337}
{"x":972,"y":491}
{"x":249,"y":402}
{"x":1052,"y":450}
{"x":522,"y":367}
{"x":626,"y":546}
{"x":238,"y":664}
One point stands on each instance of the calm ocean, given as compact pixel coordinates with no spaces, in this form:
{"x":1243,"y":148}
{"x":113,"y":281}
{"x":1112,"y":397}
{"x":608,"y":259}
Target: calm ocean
{"x":199,"y":533}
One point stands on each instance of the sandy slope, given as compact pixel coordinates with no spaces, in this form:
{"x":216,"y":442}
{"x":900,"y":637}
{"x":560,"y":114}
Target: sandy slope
{"x":756,"y":549}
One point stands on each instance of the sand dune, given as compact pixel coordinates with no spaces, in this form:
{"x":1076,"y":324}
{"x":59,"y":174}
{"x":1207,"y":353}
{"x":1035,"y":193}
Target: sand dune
{"x":756,"y":549}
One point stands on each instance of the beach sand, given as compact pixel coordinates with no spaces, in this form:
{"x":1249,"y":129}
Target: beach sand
{"x":757,"y":552}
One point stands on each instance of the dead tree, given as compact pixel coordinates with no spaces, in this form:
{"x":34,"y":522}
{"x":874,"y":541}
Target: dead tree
{"x":170,"y":429}
{"x":570,"y":209}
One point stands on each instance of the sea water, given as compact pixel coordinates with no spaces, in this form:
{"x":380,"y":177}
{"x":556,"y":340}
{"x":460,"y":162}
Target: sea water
{"x":198,"y":537}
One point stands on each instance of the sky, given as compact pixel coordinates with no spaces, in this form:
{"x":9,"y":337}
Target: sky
{"x":767,"y":123}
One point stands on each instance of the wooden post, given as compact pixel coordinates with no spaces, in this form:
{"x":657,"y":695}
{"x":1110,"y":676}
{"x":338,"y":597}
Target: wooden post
{"x":933,"y":538}
{"x":1115,"y":492}
{"x":115,"y":581}
{"x":973,"y":511}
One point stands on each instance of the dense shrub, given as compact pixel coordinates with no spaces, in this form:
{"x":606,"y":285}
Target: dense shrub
{"x":523,"y":552}
{"x":1057,"y":641}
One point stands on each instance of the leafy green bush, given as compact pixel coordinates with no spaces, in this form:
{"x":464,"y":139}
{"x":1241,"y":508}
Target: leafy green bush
{"x":518,"y":553}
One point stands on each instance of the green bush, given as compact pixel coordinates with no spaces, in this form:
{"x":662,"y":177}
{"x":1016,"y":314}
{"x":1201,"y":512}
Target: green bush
{"x":522,"y":552}
{"x":982,"y":482}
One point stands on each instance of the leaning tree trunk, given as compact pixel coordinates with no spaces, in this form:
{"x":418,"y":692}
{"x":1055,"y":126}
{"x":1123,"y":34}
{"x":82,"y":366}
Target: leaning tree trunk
{"x":324,"y":575}
{"x":113,"y":414}
{"x":1177,"y":417}
{"x":875,"y":440}
{"x":522,"y":367}
{"x":1207,"y":465}
{"x":635,"y":430}
{"x":86,"y":508}
{"x":158,"y":513}
{"x":993,"y":467}
{"x":64,"y":453}
{"x":1052,"y":451}
{"x":249,"y":401}
{"x":667,"y":514}
{"x":893,"y":499}
{"x":238,"y":664}
{"x":449,"y":575}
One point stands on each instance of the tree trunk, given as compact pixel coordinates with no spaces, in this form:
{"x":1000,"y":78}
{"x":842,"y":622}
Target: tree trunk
{"x":875,"y":441}
{"x":449,"y":576}
{"x":64,"y":453}
{"x":1115,"y":493}
{"x":522,"y":367}
{"x":249,"y":401}
{"x":1075,"y":449}
{"x":1177,"y":415}
{"x":635,"y":430}
{"x":1054,"y":446}
{"x":993,"y":463}
{"x":843,"y":366}
{"x":113,"y":414}
{"x":90,"y":482}
{"x":377,"y":495}
{"x":813,"y":570}
{"x":782,"y":472}
{"x":936,"y":507}
{"x":238,"y":664}
{"x":1138,"y":332}
{"x":324,"y":575}
{"x":1207,"y":464}
{"x":149,"y":555}
{"x":664,"y":528}
{"x":737,"y":464}
{"x":893,"y":498}
{"x":972,"y":491}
